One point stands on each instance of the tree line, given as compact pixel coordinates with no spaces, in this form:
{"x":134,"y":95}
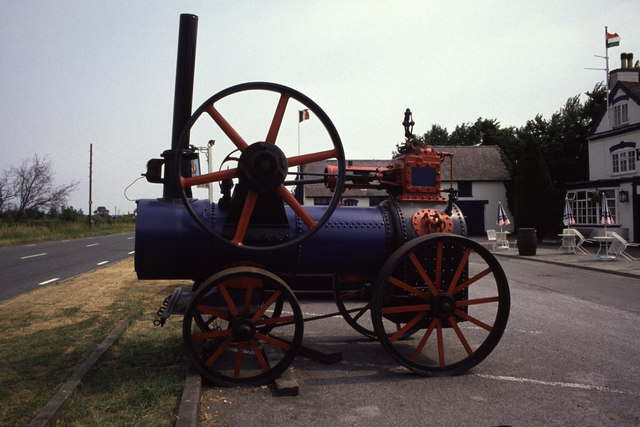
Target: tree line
{"x":28,"y":191}
{"x":542,"y":156}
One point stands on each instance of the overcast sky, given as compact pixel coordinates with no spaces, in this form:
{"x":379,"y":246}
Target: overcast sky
{"x":103,"y":72}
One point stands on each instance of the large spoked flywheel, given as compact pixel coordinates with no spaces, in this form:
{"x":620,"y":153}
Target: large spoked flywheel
{"x":452,"y":293}
{"x":258,"y":120}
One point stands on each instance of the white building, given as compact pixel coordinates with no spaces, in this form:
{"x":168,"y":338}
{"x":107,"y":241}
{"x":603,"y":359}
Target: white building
{"x":614,"y":158}
{"x":478,"y":173}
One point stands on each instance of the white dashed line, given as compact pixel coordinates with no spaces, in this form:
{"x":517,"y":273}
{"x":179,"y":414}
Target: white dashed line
{"x":92,"y":244}
{"x":132,"y":252}
{"x":130,"y":238}
{"x":33,"y":256}
{"x":102,"y":262}
{"x":46,"y":282}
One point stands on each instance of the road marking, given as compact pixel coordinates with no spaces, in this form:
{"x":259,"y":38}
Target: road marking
{"x":129,"y":238}
{"x":93,"y":244}
{"x":554,"y":383}
{"x":46,"y":282}
{"x":31,"y":245}
{"x":102,"y":262}
{"x":33,"y":256}
{"x":132,"y":252}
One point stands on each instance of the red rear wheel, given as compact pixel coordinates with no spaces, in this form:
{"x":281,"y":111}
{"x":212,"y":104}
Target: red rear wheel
{"x":452,"y":292}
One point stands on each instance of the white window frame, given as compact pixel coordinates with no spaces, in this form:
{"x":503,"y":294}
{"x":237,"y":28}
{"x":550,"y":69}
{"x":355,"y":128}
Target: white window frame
{"x":623,"y":161}
{"x":586,"y":210}
{"x":621,"y":114}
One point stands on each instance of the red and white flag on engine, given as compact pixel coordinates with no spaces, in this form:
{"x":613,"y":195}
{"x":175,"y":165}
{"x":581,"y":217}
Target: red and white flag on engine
{"x":303,"y":115}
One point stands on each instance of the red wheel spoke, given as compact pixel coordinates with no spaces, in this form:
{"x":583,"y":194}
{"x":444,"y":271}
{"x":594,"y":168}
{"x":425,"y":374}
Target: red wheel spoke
{"x":296,"y":206}
{"x":225,"y":294}
{"x":477,"y":301}
{"x":405,"y":308}
{"x":236,"y":371}
{"x":277,"y":119}
{"x":460,"y":335}
{"x":226,"y":128}
{"x":314,"y":157}
{"x":408,"y":326}
{"x":472,"y":280}
{"x":423,"y":273}
{"x":473,"y":320}
{"x":456,"y":276}
{"x":245,"y":216}
{"x":361,"y":312}
{"x":259,"y":356}
{"x":283,"y":345}
{"x":209,"y":335}
{"x":438,"y":265}
{"x":407,"y":287}
{"x":424,"y":339}
{"x":211,"y":311}
{"x":218,"y":352}
{"x":251,"y":282}
{"x":275,"y":320}
{"x":266,"y":306}
{"x":440,"y":343}
{"x":352,"y":294}
{"x":208,"y":177}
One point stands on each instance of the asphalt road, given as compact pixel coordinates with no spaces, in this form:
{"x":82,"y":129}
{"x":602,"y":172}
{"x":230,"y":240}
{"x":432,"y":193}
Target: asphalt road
{"x":29,"y":267}
{"x":569,"y":356}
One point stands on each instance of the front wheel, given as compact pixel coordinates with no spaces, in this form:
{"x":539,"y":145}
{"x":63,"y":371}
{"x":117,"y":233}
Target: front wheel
{"x":452,"y":292}
{"x":258,"y":331}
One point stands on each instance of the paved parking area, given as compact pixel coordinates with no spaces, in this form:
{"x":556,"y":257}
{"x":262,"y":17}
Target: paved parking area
{"x":550,"y":253}
{"x":568,"y":357}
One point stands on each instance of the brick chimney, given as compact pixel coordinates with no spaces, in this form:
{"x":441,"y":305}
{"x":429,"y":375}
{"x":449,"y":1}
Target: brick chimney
{"x":626,"y":72}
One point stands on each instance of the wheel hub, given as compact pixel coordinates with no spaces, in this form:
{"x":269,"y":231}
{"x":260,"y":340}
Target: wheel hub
{"x":443,"y":305}
{"x":263,"y":166}
{"x":243,"y":329}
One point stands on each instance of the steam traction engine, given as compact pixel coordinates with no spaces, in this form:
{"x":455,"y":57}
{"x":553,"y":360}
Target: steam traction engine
{"x":402,"y":271}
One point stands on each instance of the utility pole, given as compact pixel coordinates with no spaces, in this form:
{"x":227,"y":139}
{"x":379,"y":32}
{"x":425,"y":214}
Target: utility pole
{"x":90,"y":182}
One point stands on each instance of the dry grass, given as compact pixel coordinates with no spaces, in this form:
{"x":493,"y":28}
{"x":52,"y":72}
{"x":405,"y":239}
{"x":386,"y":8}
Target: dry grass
{"x":47,"y":333}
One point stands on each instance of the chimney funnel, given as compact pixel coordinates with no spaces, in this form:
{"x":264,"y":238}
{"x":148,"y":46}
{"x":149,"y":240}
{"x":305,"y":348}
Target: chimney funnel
{"x":623,"y":60}
{"x":630,"y":60}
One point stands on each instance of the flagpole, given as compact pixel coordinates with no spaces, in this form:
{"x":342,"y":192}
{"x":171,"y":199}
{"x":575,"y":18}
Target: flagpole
{"x":606,"y":71}
{"x":298,"y":136}
{"x":606,"y":57}
{"x":299,"y":175}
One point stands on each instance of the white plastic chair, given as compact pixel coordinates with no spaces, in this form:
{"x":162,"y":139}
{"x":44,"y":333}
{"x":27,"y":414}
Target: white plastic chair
{"x":619,"y":246}
{"x":579,"y":240}
{"x":491,"y":236}
{"x":568,"y":241}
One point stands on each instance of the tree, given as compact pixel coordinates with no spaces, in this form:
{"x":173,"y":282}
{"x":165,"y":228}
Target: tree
{"x":437,"y":135}
{"x":535,"y":198}
{"x":6,"y":193}
{"x":68,"y":214}
{"x":33,"y":188}
{"x":101,"y":211}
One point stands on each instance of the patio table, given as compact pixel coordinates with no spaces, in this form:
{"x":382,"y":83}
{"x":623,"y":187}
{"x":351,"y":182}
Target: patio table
{"x":604,"y":242}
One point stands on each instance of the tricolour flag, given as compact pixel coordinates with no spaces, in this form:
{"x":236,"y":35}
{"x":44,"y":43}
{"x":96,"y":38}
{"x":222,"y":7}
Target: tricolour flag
{"x":303,"y":115}
{"x":613,"y":39}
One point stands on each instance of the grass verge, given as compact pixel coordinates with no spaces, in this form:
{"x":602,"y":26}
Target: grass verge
{"x":48,"y":333}
{"x":20,"y":234}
